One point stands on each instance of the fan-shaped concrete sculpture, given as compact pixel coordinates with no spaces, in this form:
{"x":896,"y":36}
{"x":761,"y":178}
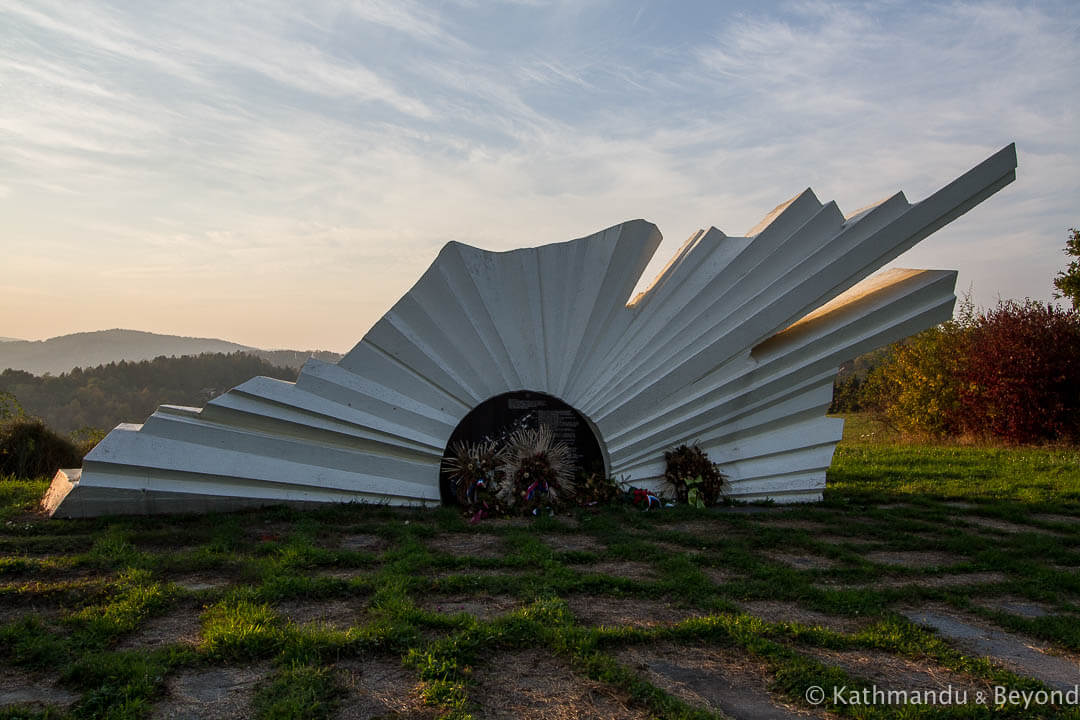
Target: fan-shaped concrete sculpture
{"x":734,"y":346}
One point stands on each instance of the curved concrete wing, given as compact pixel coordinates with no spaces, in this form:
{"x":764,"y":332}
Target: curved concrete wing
{"x":734,"y":346}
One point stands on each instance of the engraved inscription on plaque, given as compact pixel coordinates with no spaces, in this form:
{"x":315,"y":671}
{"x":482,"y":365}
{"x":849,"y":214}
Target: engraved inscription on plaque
{"x":496,"y":418}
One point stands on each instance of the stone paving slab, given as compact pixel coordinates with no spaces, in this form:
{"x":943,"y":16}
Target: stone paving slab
{"x":211,"y":694}
{"x":1021,"y":655}
{"x":716,"y":679}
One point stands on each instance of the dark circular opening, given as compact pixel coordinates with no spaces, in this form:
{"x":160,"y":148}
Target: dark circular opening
{"x":497,"y":417}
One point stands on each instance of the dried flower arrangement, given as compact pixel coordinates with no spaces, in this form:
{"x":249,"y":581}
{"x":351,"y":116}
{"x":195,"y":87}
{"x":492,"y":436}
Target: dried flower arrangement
{"x":536,"y":471}
{"x":696,"y":480}
{"x":472,"y":468}
{"x":531,"y":473}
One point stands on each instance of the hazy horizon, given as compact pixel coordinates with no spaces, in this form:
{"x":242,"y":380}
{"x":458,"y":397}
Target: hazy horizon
{"x":279,"y":176}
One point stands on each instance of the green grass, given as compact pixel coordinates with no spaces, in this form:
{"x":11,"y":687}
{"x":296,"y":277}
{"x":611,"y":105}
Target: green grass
{"x":105,"y":579}
{"x":20,"y":497}
{"x":874,"y":463}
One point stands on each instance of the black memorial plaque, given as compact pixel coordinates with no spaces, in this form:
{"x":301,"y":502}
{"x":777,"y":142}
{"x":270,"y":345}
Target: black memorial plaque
{"x":496,"y":418}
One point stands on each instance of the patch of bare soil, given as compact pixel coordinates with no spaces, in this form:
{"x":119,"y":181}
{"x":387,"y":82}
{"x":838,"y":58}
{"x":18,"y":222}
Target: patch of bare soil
{"x":50,"y":599}
{"x":339,"y":614}
{"x":469,"y":545}
{"x":1063,"y":519}
{"x":572,"y":543}
{"x":892,"y":672}
{"x":792,"y":524}
{"x":346,"y":573}
{"x":720,"y":576}
{"x":1005,"y":525}
{"x":717,"y":679}
{"x":381,"y":688}
{"x":269,"y":531}
{"x":507,"y":522}
{"x":914,"y":558}
{"x":933,"y":581}
{"x":199,"y":582}
{"x":12,"y":609}
{"x":776,"y":611}
{"x":363,"y":542}
{"x":52,"y":570}
{"x":848,"y":539}
{"x":167,"y":543}
{"x":479,"y":572}
{"x":597,"y":610}
{"x":535,"y":685}
{"x":704,"y":529}
{"x":959,"y":504}
{"x":484,"y":607}
{"x":178,"y":626}
{"x":802,"y":561}
{"x":19,"y":688}
{"x":674,"y":548}
{"x":630,"y":569}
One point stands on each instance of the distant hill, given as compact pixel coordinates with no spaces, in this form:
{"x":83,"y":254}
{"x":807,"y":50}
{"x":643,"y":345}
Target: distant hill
{"x":86,"y":350}
{"x":3,"y":339}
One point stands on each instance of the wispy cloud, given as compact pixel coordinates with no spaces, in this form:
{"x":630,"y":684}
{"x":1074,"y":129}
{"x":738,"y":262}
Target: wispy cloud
{"x":328,"y":149}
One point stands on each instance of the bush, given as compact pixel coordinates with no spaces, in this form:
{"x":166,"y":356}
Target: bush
{"x":29,"y":449}
{"x":916,"y":385}
{"x":1012,"y":373}
{"x":1020,"y":378}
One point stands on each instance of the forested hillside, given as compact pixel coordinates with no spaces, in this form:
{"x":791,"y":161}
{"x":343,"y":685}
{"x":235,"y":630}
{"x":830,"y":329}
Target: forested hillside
{"x":90,"y":349}
{"x":103,"y":396}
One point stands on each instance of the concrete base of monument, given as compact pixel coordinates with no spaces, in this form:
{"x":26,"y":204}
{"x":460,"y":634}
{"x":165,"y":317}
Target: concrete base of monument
{"x":68,"y":497}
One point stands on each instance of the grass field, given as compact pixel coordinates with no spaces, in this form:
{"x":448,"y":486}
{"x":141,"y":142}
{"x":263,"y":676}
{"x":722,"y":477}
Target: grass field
{"x":355,"y":612}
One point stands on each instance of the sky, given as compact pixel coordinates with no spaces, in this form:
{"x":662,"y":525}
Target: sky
{"x":279,"y":173}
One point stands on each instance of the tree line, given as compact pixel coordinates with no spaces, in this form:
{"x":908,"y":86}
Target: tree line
{"x":105,"y":396}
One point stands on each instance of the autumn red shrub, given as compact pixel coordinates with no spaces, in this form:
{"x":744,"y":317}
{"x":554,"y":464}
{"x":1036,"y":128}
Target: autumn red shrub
{"x":1019,"y":379}
{"x":1011,"y":373}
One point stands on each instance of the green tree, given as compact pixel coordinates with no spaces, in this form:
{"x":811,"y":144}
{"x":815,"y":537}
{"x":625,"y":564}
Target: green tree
{"x":9,"y":406}
{"x":1067,"y":281}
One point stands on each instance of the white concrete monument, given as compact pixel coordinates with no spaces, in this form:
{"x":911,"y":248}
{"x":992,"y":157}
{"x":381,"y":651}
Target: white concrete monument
{"x":734,"y":346}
